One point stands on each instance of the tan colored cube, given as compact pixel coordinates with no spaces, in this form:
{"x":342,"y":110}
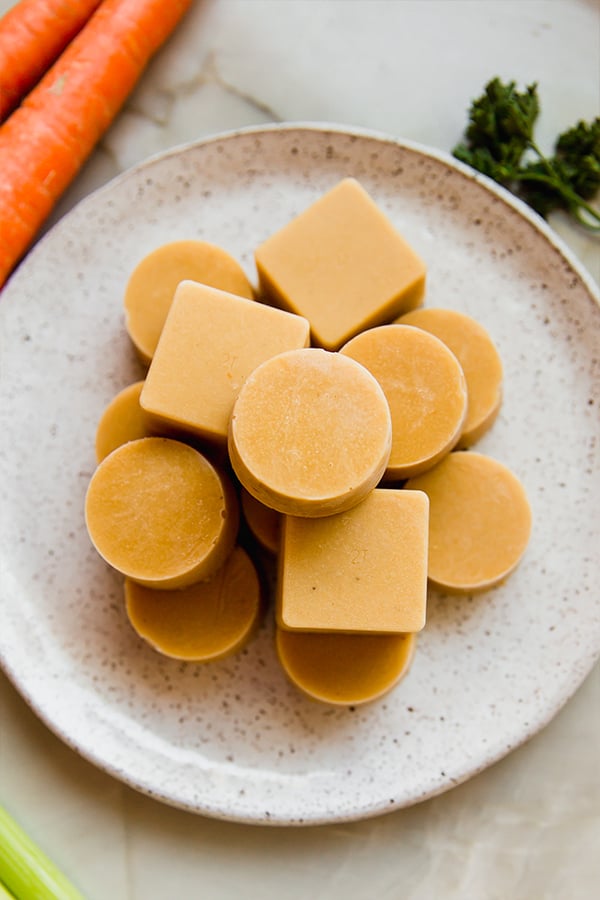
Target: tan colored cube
{"x":211,"y":341}
{"x":342,"y":265}
{"x":364,"y":570}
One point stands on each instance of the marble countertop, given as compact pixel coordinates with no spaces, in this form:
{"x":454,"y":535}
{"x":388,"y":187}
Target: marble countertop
{"x":528,"y":827}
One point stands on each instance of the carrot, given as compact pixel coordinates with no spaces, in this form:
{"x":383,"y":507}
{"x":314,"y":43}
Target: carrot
{"x":44,"y":143}
{"x":33,"y":34}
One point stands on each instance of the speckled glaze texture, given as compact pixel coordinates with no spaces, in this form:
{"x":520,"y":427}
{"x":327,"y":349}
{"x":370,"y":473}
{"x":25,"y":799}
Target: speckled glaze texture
{"x":234,"y":739}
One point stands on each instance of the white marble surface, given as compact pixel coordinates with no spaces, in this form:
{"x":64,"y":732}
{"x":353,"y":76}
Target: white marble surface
{"x":529,"y":827}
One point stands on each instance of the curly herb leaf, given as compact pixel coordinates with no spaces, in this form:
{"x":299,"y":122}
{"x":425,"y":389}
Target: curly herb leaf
{"x":578,"y":152}
{"x":500,"y":138}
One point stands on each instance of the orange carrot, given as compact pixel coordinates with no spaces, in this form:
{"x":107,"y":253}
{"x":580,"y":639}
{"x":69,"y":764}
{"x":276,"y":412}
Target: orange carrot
{"x":33,"y":34}
{"x":44,"y":143}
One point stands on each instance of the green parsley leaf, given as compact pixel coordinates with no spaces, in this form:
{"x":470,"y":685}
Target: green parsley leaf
{"x":500,"y":143}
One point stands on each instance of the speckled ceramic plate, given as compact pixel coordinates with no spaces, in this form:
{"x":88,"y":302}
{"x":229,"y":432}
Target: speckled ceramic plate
{"x":233,"y":739}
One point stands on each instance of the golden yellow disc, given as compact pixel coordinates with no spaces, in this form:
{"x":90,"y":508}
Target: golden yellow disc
{"x":426,"y":391}
{"x":123,"y":420}
{"x":310,"y":433}
{"x":152,"y":284}
{"x":479,"y":521}
{"x":206,"y":621}
{"x":159,"y":512}
{"x":479,"y":360}
{"x":344,"y":669}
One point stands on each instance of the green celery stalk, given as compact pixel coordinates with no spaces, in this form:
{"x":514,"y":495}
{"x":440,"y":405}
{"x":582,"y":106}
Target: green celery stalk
{"x":4,"y":895}
{"x":25,"y":870}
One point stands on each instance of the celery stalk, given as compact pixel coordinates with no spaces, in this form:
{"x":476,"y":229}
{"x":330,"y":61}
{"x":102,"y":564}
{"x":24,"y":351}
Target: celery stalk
{"x":25,"y":870}
{"x":4,"y":895}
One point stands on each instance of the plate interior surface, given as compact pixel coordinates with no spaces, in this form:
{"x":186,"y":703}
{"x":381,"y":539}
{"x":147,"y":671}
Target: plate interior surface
{"x":233,"y":739}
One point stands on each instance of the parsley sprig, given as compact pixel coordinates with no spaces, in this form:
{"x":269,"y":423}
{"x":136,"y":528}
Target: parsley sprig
{"x":500,"y":143}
